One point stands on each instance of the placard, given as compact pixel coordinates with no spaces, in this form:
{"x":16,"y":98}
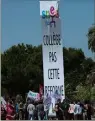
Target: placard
{"x":52,"y":54}
{"x":33,"y":95}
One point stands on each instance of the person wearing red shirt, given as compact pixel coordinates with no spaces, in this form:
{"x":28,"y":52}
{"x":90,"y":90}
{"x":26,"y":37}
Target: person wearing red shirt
{"x":10,"y":111}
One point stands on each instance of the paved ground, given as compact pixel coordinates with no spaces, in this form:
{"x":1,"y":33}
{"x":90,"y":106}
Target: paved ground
{"x":93,"y":119}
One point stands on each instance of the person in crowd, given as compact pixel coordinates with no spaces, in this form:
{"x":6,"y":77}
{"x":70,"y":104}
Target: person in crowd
{"x":25,"y":111}
{"x":88,"y":110}
{"x":71,"y":111}
{"x":30,"y":110}
{"x":3,"y":112}
{"x":59,"y":102}
{"x":10,"y":110}
{"x":17,"y":110}
{"x":60,"y":105}
{"x":65,"y":108}
{"x":76,"y":110}
{"x":80,"y":112}
{"x":85,"y":111}
{"x":59,"y":112}
{"x":21,"y":110}
{"x":35,"y":111}
{"x":40,"y":110}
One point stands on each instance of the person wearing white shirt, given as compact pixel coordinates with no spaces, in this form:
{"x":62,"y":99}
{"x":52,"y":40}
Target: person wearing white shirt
{"x":77,"y":111}
{"x":30,"y":110}
{"x":80,"y":115}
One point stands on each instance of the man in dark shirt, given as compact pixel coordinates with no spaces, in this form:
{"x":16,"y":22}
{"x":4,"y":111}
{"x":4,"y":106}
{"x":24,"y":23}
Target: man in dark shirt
{"x":59,"y":112}
{"x":40,"y":110}
{"x":3,"y":112}
{"x":65,"y":108}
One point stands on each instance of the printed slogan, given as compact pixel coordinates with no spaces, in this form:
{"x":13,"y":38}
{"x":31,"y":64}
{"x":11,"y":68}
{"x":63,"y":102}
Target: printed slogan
{"x":53,"y":69}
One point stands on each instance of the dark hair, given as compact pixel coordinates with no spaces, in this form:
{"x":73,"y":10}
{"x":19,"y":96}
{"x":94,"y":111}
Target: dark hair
{"x":10,"y":101}
{"x":87,"y":102}
{"x":81,"y":105}
{"x":71,"y":102}
{"x":32,"y":101}
{"x":41,"y":102}
{"x":59,"y":100}
{"x":76,"y":101}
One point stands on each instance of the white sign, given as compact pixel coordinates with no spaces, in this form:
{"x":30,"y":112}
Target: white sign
{"x":52,"y":55}
{"x":48,"y":7}
{"x":33,"y":95}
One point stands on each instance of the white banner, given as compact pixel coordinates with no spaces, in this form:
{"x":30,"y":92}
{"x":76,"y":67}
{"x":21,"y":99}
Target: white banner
{"x":33,"y":95}
{"x":48,"y":8}
{"x":52,"y":55}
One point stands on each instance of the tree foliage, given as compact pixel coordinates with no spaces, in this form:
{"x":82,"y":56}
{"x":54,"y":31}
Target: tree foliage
{"x":91,"y":38}
{"x":85,"y":93}
{"x":22,"y":68}
{"x":20,"y":64}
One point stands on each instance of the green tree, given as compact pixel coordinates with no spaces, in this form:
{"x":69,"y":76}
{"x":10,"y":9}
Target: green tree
{"x":76,"y":68}
{"x":83,"y":93}
{"x":91,"y":38}
{"x":20,"y":64}
{"x":22,"y":68}
{"x":93,"y":93}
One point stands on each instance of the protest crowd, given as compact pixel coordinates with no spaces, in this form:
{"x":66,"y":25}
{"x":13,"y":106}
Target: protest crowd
{"x":29,"y":109}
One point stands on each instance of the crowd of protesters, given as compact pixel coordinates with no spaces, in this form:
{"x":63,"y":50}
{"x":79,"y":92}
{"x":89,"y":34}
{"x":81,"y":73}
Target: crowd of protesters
{"x":33,"y":110}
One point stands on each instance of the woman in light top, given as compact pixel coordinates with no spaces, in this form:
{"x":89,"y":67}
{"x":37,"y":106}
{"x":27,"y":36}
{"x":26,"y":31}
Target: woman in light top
{"x":71,"y":111}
